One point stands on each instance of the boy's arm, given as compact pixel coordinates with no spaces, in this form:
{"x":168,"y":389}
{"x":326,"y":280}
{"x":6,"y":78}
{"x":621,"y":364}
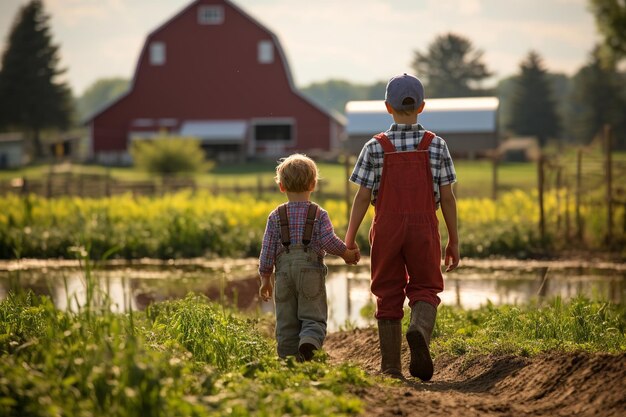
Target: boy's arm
{"x":448,"y":209}
{"x":359,"y":208}
{"x":332,"y":244}
{"x":266,"y":260}
{"x":267,"y":287}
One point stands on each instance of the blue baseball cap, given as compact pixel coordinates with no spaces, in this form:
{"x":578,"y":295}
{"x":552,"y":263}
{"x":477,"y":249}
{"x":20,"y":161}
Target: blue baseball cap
{"x":402,"y":87}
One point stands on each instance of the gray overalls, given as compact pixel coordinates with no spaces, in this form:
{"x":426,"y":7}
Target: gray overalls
{"x":300,"y":290}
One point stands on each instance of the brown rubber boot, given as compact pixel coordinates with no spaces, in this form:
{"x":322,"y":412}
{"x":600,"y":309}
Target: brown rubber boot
{"x":390,"y":336}
{"x":423,"y":317}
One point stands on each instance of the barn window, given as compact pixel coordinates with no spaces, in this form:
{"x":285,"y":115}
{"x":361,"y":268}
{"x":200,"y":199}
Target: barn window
{"x":157,"y":53}
{"x":266,"y":52}
{"x":273,"y":132}
{"x":210,"y":15}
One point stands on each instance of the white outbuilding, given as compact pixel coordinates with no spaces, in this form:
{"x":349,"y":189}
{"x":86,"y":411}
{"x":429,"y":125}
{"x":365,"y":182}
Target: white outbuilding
{"x":468,"y":125}
{"x":11,"y":150}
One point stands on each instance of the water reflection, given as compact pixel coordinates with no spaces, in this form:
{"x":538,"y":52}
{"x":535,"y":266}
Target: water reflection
{"x":136,"y":286}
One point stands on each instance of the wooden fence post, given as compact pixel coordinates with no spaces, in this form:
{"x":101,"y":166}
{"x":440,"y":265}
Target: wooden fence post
{"x":25,"y":185}
{"x":567,"y":215}
{"x":49,"y":188}
{"x":609,"y":184}
{"x":558,"y":198}
{"x":579,"y":169}
{"x":540,"y":189}
{"x":67,"y":180}
{"x":494,"y":183}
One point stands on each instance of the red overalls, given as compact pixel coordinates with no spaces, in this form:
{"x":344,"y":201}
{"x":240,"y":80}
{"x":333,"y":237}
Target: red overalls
{"x":406,"y":247}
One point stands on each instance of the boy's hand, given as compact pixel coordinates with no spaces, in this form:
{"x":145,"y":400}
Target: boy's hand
{"x":351,"y":256}
{"x":267,"y":288}
{"x":452,"y":256}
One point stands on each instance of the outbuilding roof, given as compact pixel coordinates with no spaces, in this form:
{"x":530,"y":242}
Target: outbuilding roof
{"x":441,"y":115}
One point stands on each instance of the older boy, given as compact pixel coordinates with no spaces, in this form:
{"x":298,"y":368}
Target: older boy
{"x":297,"y":237}
{"x":406,"y":173}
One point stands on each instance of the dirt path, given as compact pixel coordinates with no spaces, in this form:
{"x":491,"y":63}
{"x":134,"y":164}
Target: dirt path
{"x":573,"y":384}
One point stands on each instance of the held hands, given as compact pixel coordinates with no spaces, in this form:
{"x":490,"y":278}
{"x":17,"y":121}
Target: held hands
{"x":352,"y":256}
{"x":267,"y":288}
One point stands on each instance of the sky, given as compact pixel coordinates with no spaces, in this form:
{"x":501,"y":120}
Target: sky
{"x":360,"y":41}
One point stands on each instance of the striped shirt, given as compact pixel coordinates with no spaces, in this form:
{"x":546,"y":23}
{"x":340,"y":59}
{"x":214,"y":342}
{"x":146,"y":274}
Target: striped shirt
{"x":369,"y":166}
{"x":324,"y":240}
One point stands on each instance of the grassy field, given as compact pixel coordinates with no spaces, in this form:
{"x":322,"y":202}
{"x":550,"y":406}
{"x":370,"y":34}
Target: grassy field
{"x":194,"y":358}
{"x":475,"y":177}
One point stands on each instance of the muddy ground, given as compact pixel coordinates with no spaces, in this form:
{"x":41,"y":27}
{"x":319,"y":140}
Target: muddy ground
{"x":573,"y":384}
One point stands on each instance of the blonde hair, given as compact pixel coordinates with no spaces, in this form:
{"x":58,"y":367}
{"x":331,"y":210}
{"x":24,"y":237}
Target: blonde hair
{"x":297,"y":173}
{"x":406,"y":101}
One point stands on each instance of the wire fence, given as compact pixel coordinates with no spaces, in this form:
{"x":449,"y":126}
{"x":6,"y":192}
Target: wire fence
{"x":60,"y":184}
{"x":589,"y":189}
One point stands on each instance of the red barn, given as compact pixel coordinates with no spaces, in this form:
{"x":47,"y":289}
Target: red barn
{"x":215,"y":73}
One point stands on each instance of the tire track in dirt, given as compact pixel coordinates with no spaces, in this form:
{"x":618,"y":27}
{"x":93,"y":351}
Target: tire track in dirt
{"x":552,"y":384}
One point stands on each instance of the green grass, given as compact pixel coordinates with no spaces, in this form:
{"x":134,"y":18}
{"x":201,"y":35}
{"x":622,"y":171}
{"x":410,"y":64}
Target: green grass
{"x":180,"y":358}
{"x":475,"y":177}
{"x":577,"y":325}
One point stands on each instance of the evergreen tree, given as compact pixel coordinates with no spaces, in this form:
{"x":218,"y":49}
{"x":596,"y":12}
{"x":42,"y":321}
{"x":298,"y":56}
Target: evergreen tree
{"x":451,"y":67}
{"x":560,"y":86}
{"x":533,"y":107}
{"x":611,"y":22}
{"x":598,"y":98}
{"x":32,"y":97}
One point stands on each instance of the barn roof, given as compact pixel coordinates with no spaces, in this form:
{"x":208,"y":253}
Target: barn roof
{"x":445,"y":115}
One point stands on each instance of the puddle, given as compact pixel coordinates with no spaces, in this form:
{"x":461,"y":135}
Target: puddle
{"x":136,"y":285}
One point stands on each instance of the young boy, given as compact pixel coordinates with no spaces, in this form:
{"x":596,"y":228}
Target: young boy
{"x":406,"y":173}
{"x":297,"y":237}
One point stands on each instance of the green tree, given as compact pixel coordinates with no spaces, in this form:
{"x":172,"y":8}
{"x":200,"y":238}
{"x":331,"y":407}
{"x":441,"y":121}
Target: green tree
{"x":611,"y":22}
{"x":451,"y":67}
{"x":99,"y":94}
{"x":533,"y":107}
{"x":32,"y":98}
{"x":598,"y":98}
{"x":560,"y":86}
{"x":169,"y":155}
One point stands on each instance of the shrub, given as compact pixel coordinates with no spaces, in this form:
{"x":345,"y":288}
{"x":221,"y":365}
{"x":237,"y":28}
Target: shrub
{"x":167,"y":155}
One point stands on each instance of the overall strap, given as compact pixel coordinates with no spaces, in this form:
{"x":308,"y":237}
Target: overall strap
{"x":426,"y":139}
{"x":308,"y":227}
{"x":284,"y":226}
{"x":385,"y":143}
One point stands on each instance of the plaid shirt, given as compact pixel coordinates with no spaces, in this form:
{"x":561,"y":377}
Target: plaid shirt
{"x":323,"y":239}
{"x":369,"y":167}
